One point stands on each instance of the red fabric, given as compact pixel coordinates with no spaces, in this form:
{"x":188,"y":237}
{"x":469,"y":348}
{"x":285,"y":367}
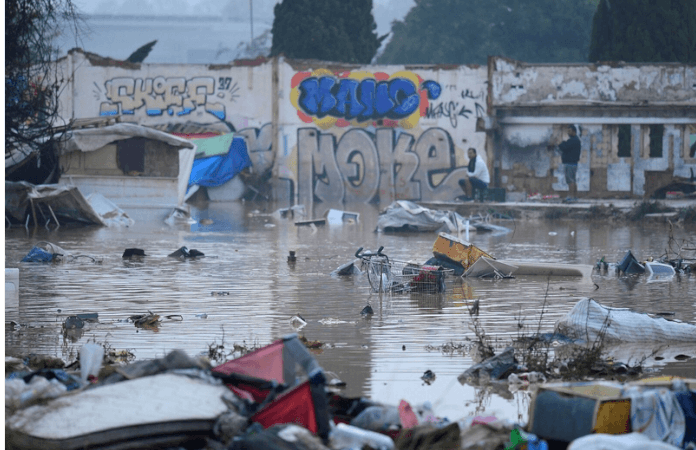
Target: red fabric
{"x":295,"y":406}
{"x":407,"y":416}
{"x":265,"y":363}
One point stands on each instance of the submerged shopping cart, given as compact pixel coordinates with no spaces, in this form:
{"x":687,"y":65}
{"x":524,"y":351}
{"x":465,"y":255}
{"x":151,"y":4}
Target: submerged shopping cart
{"x":389,"y":275}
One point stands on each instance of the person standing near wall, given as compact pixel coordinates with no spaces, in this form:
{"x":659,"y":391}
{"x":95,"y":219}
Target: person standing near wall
{"x":570,"y":155}
{"x":477,"y":176}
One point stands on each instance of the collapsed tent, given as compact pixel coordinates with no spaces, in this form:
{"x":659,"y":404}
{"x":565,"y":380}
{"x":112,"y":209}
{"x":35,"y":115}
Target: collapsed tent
{"x":404,"y":215}
{"x":287,"y":398}
{"x":48,"y":202}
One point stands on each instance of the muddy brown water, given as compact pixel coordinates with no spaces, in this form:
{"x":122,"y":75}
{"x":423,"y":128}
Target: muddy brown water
{"x":245,"y":292}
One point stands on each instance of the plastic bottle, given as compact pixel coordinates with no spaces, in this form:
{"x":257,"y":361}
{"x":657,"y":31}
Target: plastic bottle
{"x":91,"y":356}
{"x":348,"y":437}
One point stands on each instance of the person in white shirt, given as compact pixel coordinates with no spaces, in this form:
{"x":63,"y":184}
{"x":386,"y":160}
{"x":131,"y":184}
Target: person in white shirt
{"x":478,"y":177}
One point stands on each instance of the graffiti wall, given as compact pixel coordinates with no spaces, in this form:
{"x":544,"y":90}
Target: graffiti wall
{"x":380,"y":133}
{"x":359,"y":134}
{"x":227,"y":97}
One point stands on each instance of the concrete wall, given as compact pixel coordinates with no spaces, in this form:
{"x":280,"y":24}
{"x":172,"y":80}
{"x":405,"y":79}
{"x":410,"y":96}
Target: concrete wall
{"x":529,"y":105}
{"x":346,"y":133}
{"x":382,"y":133}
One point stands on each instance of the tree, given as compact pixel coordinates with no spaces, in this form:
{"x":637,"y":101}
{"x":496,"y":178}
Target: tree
{"x":32,"y":83}
{"x":457,"y":32}
{"x":644,"y":31}
{"x":328,"y":30}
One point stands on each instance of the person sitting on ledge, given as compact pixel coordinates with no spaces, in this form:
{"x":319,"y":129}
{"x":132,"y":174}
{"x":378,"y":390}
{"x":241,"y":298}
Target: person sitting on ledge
{"x":477,"y":176}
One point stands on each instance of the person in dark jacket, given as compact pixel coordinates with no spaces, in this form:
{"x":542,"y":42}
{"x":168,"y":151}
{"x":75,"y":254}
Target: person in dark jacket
{"x":570,"y":155}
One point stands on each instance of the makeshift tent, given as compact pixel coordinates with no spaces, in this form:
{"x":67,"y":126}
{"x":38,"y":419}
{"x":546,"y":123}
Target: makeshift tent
{"x":295,"y":400}
{"x":88,"y":140}
{"x":218,"y":160}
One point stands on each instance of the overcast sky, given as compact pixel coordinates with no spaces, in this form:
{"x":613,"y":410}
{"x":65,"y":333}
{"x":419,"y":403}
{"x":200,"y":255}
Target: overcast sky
{"x":385,"y":11}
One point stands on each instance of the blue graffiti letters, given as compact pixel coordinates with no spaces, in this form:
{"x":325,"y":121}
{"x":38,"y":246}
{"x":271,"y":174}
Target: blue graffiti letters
{"x":365,"y":100}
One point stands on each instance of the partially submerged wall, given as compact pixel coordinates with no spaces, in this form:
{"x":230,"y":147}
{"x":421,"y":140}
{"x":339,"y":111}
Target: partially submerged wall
{"x":637,"y":125}
{"x":341,"y":133}
{"x":344,"y":133}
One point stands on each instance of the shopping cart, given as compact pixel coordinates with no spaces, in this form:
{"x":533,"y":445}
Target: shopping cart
{"x":389,"y":275}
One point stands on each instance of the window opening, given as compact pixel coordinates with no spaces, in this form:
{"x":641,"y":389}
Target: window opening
{"x":656,"y":132}
{"x":131,"y":155}
{"x":624,"y":141}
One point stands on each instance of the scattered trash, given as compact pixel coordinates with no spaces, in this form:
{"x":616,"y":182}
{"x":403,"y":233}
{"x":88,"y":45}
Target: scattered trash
{"x":629,"y":441}
{"x":45,"y":252}
{"x":457,"y":251}
{"x":389,"y":275}
{"x":201,"y":316}
{"x":298,"y":322}
{"x":380,"y":418}
{"x":571,"y":412}
{"x":130,"y":252}
{"x":175,"y":403}
{"x":485,"y":267}
{"x":404,"y":215}
{"x":311,"y":344}
{"x":109,"y":212}
{"x":493,"y":368}
{"x":428,"y":377}
{"x":347,"y":269}
{"x":335,"y":382}
{"x":184,"y":252}
{"x":629,"y":264}
{"x":73,"y":322}
{"x":284,"y":213}
{"x":337,"y":217}
{"x":313,"y":222}
{"x":149,"y":320}
{"x":179,"y":216}
{"x":91,"y":356}
{"x":285,"y":436}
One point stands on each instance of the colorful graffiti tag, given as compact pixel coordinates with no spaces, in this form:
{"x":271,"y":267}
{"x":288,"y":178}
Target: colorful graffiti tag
{"x":367,"y":167}
{"x":173,"y":95}
{"x":361,"y":98}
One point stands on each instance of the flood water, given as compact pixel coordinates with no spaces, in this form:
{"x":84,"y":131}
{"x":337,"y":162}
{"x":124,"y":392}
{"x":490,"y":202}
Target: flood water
{"x":245,"y":292}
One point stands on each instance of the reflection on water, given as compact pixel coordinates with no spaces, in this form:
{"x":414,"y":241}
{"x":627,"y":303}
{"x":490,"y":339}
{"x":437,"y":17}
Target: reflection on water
{"x":245,"y":292}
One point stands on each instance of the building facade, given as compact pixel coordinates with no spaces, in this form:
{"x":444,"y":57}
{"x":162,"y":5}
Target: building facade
{"x":345,"y":133}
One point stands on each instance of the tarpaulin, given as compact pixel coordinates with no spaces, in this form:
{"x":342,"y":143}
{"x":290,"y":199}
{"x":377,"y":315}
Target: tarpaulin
{"x":587,"y":320}
{"x":657,"y":414}
{"x":217,"y":170}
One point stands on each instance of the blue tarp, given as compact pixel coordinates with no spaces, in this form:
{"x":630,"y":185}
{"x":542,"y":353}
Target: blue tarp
{"x":217,"y":170}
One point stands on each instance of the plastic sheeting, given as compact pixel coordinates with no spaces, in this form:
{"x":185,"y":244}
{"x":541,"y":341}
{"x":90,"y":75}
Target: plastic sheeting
{"x":65,"y":202}
{"x":217,"y":170}
{"x":110,"y":213}
{"x":408,"y":216}
{"x":656,"y":413}
{"x":630,"y":441}
{"x":587,"y":318}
